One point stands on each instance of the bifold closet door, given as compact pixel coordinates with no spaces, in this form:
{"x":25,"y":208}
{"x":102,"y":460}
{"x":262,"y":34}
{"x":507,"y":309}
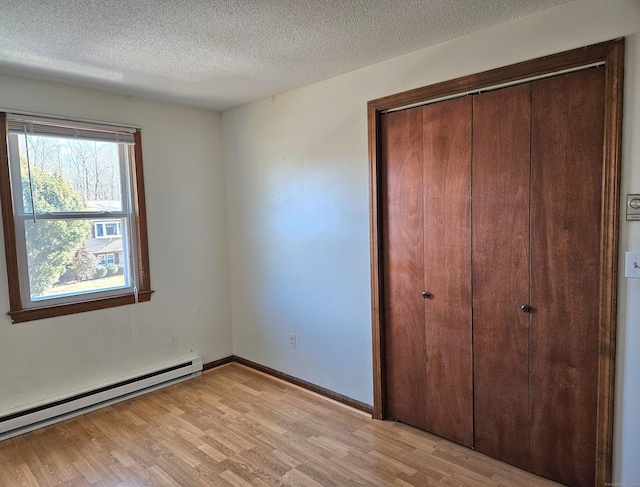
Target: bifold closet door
{"x":426,"y":235}
{"x":492,"y":310}
{"x":402,"y":241}
{"x":402,"y":262}
{"x":566,"y":185}
{"x":501,"y":176}
{"x":447,"y":268}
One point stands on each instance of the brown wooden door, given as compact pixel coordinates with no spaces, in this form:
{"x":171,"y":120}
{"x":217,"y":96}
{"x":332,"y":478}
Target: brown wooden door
{"x":566,"y":186}
{"x":402,"y":263}
{"x":501,"y":174}
{"x":529,"y":157}
{"x":447,"y":269}
{"x":426,"y":222}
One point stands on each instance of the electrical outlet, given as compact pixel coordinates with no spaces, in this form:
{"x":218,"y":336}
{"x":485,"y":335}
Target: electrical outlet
{"x":632,"y":265}
{"x":292,"y":340}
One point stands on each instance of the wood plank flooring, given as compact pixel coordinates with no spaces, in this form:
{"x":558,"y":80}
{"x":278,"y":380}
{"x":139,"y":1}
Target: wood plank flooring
{"x":234,"y":426}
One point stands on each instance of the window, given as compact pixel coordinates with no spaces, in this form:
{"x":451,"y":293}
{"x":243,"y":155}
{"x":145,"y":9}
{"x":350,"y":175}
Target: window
{"x":107,"y":230}
{"x":72,"y":203}
{"x":106,"y":259}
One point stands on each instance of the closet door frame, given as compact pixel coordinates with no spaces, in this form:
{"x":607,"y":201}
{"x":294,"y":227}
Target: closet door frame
{"x":609,"y":54}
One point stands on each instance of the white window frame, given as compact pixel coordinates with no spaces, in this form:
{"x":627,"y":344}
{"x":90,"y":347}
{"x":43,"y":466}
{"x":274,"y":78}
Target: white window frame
{"x":23,"y":216}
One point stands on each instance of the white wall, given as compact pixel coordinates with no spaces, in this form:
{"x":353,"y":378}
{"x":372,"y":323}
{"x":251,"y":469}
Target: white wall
{"x":297,"y":193}
{"x":186,"y":208}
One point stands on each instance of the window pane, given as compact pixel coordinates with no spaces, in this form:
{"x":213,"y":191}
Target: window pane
{"x":69,"y":174}
{"x":111,"y":228}
{"x":63,"y":259}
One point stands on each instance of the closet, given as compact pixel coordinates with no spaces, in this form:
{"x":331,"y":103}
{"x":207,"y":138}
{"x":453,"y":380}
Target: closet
{"x":490,"y":235}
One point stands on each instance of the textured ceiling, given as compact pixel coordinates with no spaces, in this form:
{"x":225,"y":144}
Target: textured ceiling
{"x":223,"y":53}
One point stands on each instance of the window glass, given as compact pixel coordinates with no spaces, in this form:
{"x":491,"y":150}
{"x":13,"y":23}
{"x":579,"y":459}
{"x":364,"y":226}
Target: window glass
{"x":89,"y":170}
{"x":59,"y":265}
{"x":81,"y":179}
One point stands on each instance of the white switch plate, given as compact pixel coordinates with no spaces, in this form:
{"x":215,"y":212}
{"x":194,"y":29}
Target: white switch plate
{"x":632,"y":265}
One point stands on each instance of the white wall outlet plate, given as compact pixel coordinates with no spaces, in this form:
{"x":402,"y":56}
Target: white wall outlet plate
{"x":632,"y":265}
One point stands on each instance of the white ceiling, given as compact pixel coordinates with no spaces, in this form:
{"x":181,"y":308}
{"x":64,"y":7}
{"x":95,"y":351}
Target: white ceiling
{"x":219,"y":54}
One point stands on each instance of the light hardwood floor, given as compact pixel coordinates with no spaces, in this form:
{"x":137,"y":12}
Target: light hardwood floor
{"x":237,"y":427}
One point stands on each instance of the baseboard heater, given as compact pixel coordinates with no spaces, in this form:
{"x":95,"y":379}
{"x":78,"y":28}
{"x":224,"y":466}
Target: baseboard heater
{"x":14,"y":423}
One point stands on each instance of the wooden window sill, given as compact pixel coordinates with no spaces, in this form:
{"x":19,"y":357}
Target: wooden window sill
{"x":30,"y":314}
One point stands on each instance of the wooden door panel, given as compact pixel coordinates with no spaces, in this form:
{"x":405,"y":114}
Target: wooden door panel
{"x":500,"y":192}
{"x":447,"y":269}
{"x":402,"y":244}
{"x":567,"y":140}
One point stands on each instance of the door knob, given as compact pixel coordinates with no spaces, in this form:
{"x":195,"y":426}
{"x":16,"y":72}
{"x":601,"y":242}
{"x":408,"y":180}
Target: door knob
{"x":525,"y":308}
{"x":426,"y":295}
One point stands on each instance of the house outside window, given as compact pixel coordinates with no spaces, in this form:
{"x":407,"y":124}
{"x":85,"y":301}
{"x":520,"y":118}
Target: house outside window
{"x":72,"y":201}
{"x":106,"y":243}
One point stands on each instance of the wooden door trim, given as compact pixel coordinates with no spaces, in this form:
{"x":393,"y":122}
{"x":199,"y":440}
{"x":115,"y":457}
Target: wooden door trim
{"x":611,"y":54}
